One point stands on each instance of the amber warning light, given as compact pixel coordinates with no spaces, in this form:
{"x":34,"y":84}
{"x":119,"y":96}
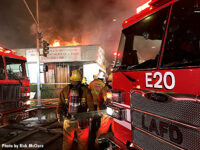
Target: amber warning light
{"x":143,"y":7}
{"x":109,"y":95}
{"x":5,"y":50}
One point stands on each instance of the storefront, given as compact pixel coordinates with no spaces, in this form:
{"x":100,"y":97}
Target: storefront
{"x":62,"y":60}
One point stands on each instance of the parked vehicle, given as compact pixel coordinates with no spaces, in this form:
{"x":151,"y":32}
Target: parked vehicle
{"x":14,"y":86}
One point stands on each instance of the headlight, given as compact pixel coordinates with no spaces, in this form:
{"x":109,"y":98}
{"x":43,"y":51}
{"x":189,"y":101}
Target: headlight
{"x":109,"y":111}
{"x":28,"y":94}
{"x":28,"y":102}
{"x":25,"y":94}
{"x":116,"y":112}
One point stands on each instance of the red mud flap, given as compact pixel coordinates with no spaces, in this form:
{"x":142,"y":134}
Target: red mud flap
{"x":165,"y":121}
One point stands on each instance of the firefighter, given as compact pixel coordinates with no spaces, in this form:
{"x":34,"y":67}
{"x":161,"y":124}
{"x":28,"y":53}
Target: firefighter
{"x":96,"y":85}
{"x":106,"y":121}
{"x":75,"y":100}
{"x":102,"y":99}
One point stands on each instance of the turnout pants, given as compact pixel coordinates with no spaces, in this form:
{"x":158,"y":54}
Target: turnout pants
{"x":106,"y":121}
{"x":72,"y":131}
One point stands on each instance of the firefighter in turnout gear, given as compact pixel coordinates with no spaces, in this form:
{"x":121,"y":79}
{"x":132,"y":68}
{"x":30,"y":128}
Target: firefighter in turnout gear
{"x":106,"y":121}
{"x":75,"y":101}
{"x":102,"y":99}
{"x":96,"y":85}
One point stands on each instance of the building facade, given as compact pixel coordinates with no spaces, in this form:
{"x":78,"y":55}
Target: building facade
{"x":62,"y":60}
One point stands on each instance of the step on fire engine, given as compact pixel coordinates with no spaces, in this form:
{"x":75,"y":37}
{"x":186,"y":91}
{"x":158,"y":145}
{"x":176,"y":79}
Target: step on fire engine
{"x":155,"y":101}
{"x":14,"y":86}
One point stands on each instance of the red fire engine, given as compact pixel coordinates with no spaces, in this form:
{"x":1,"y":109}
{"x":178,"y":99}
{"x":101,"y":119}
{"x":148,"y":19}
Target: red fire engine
{"x":14,"y":86}
{"x":155,"y":100}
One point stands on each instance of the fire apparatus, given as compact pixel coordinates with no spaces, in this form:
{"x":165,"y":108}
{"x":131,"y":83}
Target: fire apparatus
{"x":155,"y":101}
{"x":14,"y":86}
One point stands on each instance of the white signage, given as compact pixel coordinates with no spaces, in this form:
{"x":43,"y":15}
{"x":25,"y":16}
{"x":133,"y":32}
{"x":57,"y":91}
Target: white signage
{"x":56,"y":54}
{"x":31,"y":55}
{"x":161,"y":78}
{"x":63,"y":54}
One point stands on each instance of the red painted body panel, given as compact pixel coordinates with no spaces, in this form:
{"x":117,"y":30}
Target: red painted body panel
{"x":124,"y":133}
{"x":186,"y":81}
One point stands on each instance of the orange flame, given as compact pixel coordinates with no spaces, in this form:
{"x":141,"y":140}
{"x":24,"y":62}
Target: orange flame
{"x":72,"y":43}
{"x":60,"y":43}
{"x":55,"y":43}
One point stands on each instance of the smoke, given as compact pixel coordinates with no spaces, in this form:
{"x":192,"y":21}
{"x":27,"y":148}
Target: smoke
{"x":15,"y":25}
{"x":90,"y":22}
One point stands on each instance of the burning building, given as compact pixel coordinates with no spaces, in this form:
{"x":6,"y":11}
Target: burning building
{"x":61,"y":60}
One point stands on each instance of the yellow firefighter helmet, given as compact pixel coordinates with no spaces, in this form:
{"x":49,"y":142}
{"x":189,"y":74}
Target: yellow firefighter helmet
{"x":76,"y":75}
{"x":95,"y":76}
{"x":110,"y":77}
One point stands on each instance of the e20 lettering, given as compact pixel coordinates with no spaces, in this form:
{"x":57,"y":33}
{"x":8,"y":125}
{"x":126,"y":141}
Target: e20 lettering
{"x":149,"y":77}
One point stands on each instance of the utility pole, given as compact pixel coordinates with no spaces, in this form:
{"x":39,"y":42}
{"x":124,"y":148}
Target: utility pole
{"x":38,"y":52}
{"x":38,"y":47}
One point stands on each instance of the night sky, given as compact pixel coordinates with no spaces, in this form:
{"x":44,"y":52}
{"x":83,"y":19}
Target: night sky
{"x":87,"y":21}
